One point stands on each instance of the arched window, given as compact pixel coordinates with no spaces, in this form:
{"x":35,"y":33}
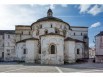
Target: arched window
{"x":52,"y":49}
{"x":46,"y":31}
{"x":78,"y":51}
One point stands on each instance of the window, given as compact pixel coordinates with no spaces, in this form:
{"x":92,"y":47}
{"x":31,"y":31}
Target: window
{"x":81,"y":34}
{"x":24,"y":51}
{"x":64,"y":32}
{"x":8,"y":36}
{"x":56,"y":31}
{"x":52,"y":49}
{"x":40,"y":26}
{"x":29,"y":33}
{"x":22,"y":33}
{"x":8,"y":50}
{"x":2,"y":54}
{"x":74,"y":34}
{"x":46,"y":31}
{"x":78,"y":51}
{"x":51,"y":25}
{"x":37,"y":33}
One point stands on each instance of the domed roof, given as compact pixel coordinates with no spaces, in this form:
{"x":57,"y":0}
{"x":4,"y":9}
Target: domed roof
{"x":50,"y":18}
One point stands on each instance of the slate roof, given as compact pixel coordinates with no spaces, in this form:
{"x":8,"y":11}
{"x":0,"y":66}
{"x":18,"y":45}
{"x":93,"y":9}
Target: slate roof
{"x":7,"y":32}
{"x":27,"y":39}
{"x":100,"y":34}
{"x":71,"y":39}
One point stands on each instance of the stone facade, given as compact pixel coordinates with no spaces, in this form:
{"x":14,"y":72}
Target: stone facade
{"x":99,"y":47}
{"x":50,"y":40}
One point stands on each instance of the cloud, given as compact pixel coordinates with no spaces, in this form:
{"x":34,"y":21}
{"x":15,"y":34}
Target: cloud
{"x":84,"y":8}
{"x":91,"y":9}
{"x":95,"y":25}
{"x":95,"y":10}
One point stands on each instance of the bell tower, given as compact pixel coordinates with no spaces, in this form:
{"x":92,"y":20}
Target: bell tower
{"x":49,"y":13}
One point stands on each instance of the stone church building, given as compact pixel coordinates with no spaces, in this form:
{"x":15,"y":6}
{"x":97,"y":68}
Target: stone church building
{"x":49,"y":40}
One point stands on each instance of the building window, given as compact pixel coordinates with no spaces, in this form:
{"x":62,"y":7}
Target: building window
{"x":46,"y":31}
{"x":74,"y":34}
{"x":51,"y":26}
{"x":64,"y":32}
{"x":37,"y":33}
{"x":22,"y":33}
{"x":40,"y":26}
{"x":24,"y":51}
{"x":57,"y":31}
{"x":81,"y":34}
{"x":52,"y":49}
{"x":8,"y":36}
{"x":8,"y":50}
{"x":2,"y":54}
{"x":78,"y":51}
{"x":29,"y":33}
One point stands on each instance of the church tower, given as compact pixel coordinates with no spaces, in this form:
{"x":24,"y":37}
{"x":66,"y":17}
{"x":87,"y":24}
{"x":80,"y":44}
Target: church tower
{"x":49,"y":13}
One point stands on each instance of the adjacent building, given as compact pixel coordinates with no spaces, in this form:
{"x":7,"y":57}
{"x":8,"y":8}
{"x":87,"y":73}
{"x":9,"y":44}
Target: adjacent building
{"x":99,"y":47}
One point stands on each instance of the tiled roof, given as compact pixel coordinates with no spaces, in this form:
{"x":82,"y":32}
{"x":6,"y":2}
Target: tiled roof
{"x":7,"y":32}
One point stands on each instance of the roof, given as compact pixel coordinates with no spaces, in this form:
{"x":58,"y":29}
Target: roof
{"x":50,"y":18}
{"x":100,"y":34}
{"x":52,"y":34}
{"x":71,"y":39}
{"x":7,"y":32}
{"x":27,"y":39}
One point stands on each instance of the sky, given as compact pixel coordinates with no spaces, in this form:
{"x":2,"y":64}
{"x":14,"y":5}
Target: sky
{"x":89,"y":15}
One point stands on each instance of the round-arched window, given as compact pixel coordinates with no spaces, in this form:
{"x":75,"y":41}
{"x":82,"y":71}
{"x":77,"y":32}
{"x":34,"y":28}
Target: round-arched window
{"x":52,"y":49}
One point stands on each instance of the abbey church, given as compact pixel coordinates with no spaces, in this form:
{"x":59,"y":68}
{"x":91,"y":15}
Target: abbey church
{"x":49,"y":40}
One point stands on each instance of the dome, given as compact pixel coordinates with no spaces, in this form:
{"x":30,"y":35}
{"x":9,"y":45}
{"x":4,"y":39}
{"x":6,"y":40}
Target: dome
{"x":50,"y":18}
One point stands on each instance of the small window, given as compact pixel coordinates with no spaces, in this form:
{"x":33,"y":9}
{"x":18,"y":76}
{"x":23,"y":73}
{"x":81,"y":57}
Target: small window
{"x":40,"y":26}
{"x":37,"y":33}
{"x":8,"y":50}
{"x":29,"y":33}
{"x":22,"y":32}
{"x":78,"y":51}
{"x":8,"y":36}
{"x":81,"y":34}
{"x":24,"y":51}
{"x":46,"y":31}
{"x":8,"y":54}
{"x":57,"y":31}
{"x":51,"y":25}
{"x":74,"y":34}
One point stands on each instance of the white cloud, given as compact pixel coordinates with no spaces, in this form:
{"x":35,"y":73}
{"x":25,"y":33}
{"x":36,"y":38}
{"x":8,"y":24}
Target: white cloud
{"x":95,"y":10}
{"x":84,"y":8}
{"x":95,"y":25}
{"x":91,"y":9}
{"x":64,"y":5}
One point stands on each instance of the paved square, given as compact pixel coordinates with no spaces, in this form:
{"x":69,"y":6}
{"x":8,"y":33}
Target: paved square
{"x":37,"y":68}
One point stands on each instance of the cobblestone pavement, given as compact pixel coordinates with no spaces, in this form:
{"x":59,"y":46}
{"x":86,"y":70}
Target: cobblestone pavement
{"x":37,"y":68}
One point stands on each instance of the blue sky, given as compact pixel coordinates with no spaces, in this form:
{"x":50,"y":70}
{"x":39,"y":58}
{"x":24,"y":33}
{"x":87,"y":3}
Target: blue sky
{"x":76,"y":15}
